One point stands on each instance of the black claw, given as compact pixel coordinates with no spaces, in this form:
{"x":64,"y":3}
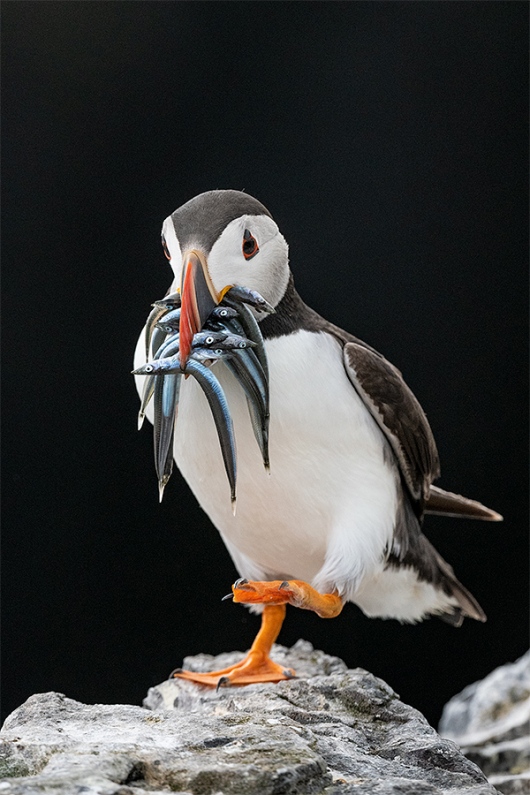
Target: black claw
{"x":241,"y":581}
{"x":228,"y":596}
{"x":284,"y":584}
{"x":223,"y":682}
{"x":289,"y":674}
{"x":173,"y":672}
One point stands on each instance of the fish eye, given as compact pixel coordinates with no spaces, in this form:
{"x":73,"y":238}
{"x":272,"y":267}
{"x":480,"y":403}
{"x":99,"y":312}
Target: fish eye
{"x":164,"y":246}
{"x":223,"y":313}
{"x":148,"y":368}
{"x":250,"y":245}
{"x":218,"y":351}
{"x":242,"y":345}
{"x":209,"y":340}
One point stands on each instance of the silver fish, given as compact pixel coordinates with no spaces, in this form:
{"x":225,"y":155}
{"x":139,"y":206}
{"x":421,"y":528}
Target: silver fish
{"x":170,"y":365}
{"x":147,"y":394}
{"x":230,"y":342}
{"x":206,"y":345}
{"x":154,"y":316}
{"x":259,"y":359}
{"x":247,"y":322}
{"x":223,"y":421}
{"x":164,"y":426}
{"x":166,"y":391}
{"x":208,"y":356}
{"x":255,"y":396}
{"x":169,"y":347}
{"x":157,"y":400}
{"x":250,"y":375}
{"x":251,"y":297}
{"x":230,"y":334}
{"x":255,"y":371}
{"x":223,"y":340}
{"x":170,"y":322}
{"x":226,"y":340}
{"x":221,"y":313}
{"x":160,"y":308}
{"x":158,"y":339}
{"x":170,"y":301}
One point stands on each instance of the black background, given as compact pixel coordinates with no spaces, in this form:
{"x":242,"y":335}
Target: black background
{"x":389,"y":142}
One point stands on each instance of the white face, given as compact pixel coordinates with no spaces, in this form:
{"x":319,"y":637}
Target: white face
{"x":173,"y":250}
{"x":266,"y":271}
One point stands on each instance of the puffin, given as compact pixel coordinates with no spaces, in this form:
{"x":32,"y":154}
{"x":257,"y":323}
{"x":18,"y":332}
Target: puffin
{"x":338,"y":515}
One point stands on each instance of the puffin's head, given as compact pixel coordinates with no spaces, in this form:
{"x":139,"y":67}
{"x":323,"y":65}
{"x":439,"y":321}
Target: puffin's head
{"x":218,"y":240}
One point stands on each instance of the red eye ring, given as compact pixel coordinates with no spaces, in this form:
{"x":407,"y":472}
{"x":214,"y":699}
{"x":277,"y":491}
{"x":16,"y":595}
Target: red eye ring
{"x":250,"y":245}
{"x":166,"y":250}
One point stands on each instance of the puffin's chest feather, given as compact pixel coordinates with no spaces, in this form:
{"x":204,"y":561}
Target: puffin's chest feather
{"x":318,"y":422}
{"x":326,"y":456}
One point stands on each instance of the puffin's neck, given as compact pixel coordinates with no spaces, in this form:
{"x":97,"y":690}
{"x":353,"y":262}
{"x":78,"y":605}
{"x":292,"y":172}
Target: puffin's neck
{"x":291,"y":315}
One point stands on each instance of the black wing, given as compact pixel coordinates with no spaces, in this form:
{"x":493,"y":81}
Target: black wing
{"x":398,"y":414}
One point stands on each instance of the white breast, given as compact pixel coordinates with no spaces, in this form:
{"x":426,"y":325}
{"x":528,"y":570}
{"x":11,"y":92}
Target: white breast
{"x":325,"y":512}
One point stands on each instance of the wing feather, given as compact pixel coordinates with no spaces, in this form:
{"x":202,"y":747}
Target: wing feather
{"x":398,"y":414}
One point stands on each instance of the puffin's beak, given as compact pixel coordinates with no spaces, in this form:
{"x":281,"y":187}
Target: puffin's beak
{"x":199,"y":298}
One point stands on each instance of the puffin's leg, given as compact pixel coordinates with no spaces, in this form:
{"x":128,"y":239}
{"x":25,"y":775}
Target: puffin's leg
{"x":294,"y":592}
{"x":257,"y":666}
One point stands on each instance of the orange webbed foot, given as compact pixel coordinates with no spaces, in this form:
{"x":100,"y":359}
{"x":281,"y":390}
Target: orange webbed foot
{"x":251,"y":670}
{"x":294,"y":592}
{"x":257,"y":666}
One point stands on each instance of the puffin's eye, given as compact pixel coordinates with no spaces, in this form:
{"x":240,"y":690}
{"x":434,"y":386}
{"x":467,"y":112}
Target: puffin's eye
{"x":250,"y":245}
{"x":164,"y":246}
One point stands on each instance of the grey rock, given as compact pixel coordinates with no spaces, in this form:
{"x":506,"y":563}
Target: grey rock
{"x":490,"y":721}
{"x":330,"y":731}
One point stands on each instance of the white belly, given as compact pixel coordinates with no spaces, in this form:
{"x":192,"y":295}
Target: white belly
{"x":325,"y":512}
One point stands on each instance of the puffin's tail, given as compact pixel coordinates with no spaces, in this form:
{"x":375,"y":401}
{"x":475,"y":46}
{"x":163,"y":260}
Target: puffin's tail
{"x":445,"y":503}
{"x":467,"y":607}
